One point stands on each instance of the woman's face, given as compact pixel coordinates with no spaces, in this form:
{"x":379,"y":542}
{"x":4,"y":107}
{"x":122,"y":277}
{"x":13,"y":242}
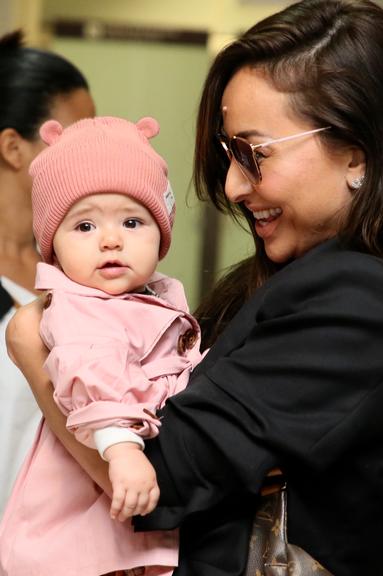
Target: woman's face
{"x":305,"y":188}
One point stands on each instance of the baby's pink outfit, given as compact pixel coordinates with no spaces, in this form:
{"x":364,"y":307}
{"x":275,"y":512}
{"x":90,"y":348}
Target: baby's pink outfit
{"x":114,"y":360}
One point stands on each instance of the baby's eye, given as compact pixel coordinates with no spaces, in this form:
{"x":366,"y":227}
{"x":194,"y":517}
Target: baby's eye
{"x":132,"y":223}
{"x":85,"y":226}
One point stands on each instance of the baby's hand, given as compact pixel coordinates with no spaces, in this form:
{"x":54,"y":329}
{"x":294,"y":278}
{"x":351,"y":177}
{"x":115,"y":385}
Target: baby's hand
{"x":134,"y":482}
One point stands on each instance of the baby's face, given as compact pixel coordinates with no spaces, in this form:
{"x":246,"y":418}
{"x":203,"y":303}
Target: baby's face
{"x":108,"y":241}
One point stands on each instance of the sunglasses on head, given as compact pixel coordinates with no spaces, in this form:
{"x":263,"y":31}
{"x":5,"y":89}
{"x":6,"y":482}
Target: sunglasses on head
{"x":245,"y":155}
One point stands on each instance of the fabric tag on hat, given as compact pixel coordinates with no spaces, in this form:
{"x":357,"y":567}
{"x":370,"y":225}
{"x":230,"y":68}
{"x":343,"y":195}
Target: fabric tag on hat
{"x":169,"y":198}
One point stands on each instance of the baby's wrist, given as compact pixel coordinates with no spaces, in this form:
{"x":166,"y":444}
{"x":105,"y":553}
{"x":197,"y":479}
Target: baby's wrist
{"x":114,"y":435}
{"x":120,"y":450}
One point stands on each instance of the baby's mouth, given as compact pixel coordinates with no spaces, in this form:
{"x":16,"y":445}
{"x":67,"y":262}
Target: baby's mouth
{"x":111,"y":264}
{"x":113,"y":269}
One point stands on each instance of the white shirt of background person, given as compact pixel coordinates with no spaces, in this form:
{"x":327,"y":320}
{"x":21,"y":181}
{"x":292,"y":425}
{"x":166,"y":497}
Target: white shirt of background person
{"x":19,"y":413}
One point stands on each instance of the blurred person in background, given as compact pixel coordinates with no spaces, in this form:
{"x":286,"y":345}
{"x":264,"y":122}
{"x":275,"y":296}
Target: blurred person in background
{"x":34,"y":85}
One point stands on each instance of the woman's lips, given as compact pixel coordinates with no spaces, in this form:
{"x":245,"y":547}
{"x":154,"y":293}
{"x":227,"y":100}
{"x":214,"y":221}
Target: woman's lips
{"x":265,"y":227}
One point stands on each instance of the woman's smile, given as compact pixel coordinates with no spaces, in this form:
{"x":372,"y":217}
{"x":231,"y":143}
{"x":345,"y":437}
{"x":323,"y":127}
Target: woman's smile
{"x":267,"y":215}
{"x":265,"y":220}
{"x":265,"y":227}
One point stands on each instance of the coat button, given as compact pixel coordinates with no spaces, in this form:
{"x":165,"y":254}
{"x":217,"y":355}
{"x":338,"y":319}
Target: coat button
{"x":47,"y":301}
{"x":186,"y":341}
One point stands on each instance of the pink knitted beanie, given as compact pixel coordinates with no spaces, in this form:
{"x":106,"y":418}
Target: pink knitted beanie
{"x":96,"y":155}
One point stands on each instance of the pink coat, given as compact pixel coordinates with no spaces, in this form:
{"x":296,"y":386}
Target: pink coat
{"x":111,"y":357}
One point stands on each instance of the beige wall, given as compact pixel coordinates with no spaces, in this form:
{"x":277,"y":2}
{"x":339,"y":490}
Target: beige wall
{"x":223,"y":16}
{"x":26,"y":14}
{"x":222,"y":19}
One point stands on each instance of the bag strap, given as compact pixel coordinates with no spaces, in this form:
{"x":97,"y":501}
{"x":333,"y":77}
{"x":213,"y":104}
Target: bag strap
{"x":270,"y":553}
{"x":275,"y":481}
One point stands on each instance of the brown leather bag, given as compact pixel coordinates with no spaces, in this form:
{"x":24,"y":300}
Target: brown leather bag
{"x":270,"y":554}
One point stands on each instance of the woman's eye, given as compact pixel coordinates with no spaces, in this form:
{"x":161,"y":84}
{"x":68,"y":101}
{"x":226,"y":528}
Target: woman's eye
{"x":259,"y":156}
{"x":85,"y":227}
{"x":132,"y":223}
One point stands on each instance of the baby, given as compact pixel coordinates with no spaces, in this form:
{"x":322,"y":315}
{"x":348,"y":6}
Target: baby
{"x":121,"y":341}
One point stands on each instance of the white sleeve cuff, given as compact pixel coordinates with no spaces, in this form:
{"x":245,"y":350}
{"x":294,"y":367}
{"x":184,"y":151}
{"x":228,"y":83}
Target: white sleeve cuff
{"x":106,"y":437}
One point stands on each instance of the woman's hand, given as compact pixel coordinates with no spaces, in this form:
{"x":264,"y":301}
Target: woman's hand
{"x":28,"y":352}
{"x":24,"y":344}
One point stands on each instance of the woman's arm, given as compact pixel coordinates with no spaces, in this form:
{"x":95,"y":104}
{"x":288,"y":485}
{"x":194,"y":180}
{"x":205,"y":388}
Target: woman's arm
{"x":285,"y":383}
{"x":29,"y":353}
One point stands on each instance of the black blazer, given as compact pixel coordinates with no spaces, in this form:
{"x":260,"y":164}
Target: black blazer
{"x":295,"y":381}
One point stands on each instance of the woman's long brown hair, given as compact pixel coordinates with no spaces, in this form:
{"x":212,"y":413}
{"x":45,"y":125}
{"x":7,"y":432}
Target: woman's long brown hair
{"x":327,"y":55}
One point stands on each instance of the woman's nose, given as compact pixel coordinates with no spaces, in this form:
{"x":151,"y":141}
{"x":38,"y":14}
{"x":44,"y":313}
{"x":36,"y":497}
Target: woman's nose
{"x":237,"y":186}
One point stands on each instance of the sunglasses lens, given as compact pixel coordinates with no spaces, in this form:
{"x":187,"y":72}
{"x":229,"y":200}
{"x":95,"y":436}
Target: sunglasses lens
{"x":244,"y":156}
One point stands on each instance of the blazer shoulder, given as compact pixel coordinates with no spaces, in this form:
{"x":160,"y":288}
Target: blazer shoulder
{"x":331,"y":260}
{"x":329,"y":275}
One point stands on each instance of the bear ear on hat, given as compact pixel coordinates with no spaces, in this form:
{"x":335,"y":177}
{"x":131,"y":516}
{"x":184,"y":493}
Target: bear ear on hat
{"x":50,"y":131}
{"x":148,"y":126}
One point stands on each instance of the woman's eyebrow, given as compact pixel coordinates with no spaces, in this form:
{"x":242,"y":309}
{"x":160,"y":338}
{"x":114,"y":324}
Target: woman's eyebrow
{"x":247,"y":133}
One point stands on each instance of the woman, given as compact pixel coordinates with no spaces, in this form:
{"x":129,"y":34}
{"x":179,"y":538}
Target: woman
{"x":290,"y":134}
{"x":35,"y":85}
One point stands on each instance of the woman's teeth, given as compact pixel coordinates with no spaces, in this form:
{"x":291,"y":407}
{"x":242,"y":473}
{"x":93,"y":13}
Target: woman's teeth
{"x":267,"y":214}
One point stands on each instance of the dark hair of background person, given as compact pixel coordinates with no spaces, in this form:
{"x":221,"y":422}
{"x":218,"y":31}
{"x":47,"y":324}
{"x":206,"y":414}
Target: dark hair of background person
{"x":29,"y":81}
{"x":328,"y":56}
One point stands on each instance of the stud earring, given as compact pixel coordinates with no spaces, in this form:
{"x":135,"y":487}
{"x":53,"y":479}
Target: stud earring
{"x":357,"y":183}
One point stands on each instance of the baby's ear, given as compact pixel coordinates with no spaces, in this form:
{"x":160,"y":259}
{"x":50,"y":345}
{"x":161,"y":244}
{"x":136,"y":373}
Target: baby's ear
{"x":51,"y":131}
{"x":148,"y":126}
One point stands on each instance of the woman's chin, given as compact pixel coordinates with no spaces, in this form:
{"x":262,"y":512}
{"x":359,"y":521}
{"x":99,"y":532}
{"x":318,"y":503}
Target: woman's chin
{"x":278,"y":254}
